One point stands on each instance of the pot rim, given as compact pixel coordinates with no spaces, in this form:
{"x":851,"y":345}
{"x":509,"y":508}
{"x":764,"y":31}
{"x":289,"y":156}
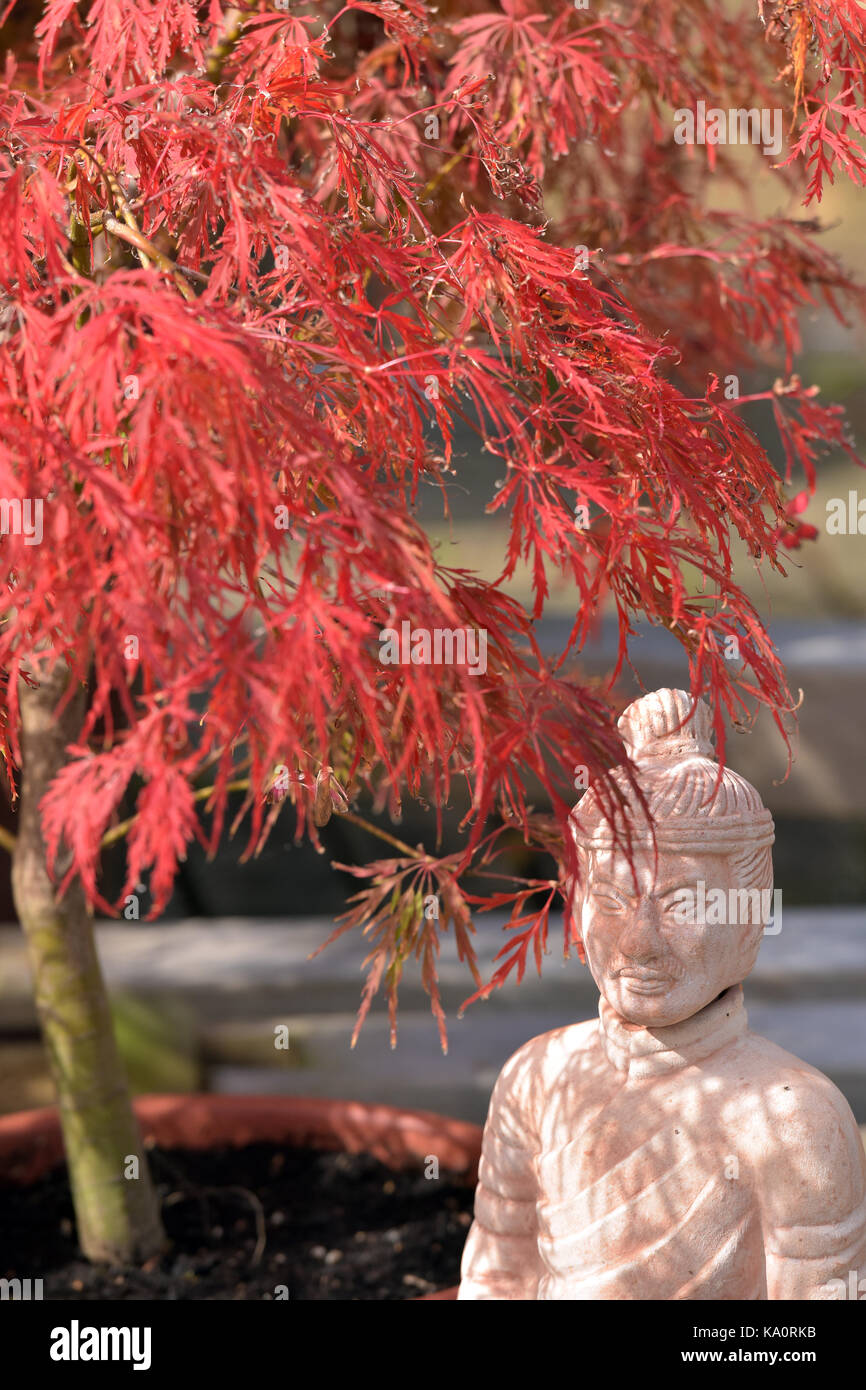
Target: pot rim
{"x":31,"y":1141}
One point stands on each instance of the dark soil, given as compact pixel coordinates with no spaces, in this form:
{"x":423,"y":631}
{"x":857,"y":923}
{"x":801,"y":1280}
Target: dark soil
{"x":257,"y":1223}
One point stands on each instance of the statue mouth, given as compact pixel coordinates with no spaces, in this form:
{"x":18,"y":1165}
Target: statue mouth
{"x":643,"y":981}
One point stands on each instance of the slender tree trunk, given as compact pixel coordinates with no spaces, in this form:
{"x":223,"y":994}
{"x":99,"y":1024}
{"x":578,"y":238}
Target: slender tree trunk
{"x":118,"y":1216}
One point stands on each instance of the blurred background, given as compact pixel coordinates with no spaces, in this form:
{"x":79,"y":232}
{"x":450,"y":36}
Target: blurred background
{"x":198,"y":993}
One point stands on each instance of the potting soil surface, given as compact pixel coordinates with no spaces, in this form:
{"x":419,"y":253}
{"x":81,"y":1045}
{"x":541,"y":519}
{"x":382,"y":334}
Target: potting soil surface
{"x":263,"y":1222}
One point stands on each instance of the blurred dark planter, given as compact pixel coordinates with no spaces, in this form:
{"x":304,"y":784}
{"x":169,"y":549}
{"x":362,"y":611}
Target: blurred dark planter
{"x":31,"y":1142}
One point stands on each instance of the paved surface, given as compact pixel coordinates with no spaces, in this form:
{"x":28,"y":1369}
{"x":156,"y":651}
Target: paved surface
{"x":240,"y":978}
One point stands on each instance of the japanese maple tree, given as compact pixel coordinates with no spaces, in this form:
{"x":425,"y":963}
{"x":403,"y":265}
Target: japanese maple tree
{"x":256,"y":263}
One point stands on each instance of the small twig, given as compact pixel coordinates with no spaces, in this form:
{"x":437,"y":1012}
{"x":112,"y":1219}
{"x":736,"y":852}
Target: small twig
{"x":117,"y":832}
{"x":432,"y":184}
{"x":258,"y":1212}
{"x":381,"y":834}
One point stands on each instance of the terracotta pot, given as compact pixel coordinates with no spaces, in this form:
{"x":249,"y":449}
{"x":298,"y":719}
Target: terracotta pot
{"x":31,"y":1141}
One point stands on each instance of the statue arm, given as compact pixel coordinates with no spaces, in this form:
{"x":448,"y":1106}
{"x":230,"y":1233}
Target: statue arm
{"x":500,"y":1260}
{"x":816,"y":1233}
{"x":819,"y":1261}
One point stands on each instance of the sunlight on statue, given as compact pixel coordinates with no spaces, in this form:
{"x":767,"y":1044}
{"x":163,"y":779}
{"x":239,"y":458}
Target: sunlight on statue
{"x":664,"y":1151}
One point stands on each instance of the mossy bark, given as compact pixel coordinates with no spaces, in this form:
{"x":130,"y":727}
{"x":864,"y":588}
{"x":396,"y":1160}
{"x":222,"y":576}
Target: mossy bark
{"x":117,"y":1216}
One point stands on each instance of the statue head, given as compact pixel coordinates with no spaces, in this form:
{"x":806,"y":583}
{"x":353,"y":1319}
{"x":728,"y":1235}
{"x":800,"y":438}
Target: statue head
{"x":677,"y":918}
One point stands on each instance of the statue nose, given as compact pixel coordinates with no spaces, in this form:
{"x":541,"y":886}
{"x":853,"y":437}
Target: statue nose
{"x":640,"y":938}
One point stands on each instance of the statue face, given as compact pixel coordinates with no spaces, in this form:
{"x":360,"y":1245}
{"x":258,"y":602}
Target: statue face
{"x":653,"y":967}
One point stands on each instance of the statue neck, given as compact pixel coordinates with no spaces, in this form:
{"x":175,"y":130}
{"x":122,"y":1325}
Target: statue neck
{"x":643,"y":1052}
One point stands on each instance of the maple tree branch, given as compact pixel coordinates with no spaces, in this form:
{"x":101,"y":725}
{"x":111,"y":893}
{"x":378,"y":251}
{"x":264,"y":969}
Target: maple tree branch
{"x":131,"y":233}
{"x":117,"y":832}
{"x":147,"y":249}
{"x":116,"y":192}
{"x":80,"y":241}
{"x":380,"y":834}
{"x":433,"y":183}
{"x":219,"y":55}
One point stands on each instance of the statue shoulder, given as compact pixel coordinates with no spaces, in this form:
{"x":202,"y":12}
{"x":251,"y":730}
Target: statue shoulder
{"x":540,"y":1060}
{"x":806,"y":1140}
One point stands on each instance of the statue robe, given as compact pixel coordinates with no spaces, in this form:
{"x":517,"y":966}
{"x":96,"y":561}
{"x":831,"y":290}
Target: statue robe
{"x":697,"y":1161}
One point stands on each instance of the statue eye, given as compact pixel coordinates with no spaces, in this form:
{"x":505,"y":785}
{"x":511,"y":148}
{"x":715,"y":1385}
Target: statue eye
{"x":677,"y":903}
{"x":608,"y":901}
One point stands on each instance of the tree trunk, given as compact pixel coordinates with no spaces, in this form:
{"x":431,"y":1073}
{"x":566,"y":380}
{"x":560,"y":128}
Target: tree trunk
{"x":117,"y":1215}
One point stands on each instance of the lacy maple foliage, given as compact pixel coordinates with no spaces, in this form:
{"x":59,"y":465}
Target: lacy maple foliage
{"x":256,"y":262}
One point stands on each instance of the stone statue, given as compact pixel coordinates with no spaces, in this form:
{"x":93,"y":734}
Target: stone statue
{"x":664,"y":1151}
